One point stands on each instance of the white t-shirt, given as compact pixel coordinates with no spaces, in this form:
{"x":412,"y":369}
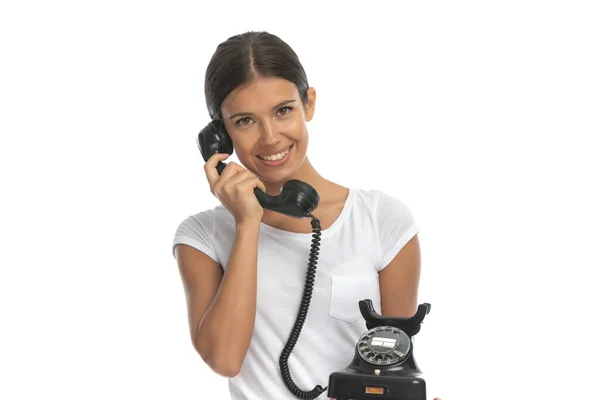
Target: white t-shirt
{"x":370,"y":231}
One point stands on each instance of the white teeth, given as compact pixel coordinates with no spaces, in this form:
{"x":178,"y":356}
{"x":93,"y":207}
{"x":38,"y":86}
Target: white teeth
{"x":274,"y":157}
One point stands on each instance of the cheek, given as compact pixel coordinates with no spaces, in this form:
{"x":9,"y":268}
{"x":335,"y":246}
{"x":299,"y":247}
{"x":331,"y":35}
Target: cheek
{"x":243,"y":151}
{"x":296,"y":127}
{"x":242,"y":147}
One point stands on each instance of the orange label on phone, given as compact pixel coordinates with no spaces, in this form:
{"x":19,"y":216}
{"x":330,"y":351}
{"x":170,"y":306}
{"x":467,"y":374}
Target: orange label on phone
{"x":373,"y":390}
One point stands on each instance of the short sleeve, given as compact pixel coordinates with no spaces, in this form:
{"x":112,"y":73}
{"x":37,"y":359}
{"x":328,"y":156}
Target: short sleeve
{"x":195,"y":232}
{"x":396,"y":226}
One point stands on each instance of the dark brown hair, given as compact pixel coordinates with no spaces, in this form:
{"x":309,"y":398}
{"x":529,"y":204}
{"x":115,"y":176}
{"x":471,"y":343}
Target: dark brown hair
{"x":242,"y":58}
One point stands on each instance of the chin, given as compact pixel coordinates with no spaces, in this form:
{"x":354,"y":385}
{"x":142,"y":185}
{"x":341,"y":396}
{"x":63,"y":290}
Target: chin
{"x":277,"y":178}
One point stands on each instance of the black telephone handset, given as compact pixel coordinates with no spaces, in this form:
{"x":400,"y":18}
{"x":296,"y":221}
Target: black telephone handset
{"x":297,"y":199}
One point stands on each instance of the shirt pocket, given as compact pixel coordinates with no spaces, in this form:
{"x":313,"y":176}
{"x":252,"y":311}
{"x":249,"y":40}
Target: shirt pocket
{"x":348,"y":289}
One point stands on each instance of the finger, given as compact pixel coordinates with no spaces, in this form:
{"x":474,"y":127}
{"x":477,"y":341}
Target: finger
{"x":233,"y":180}
{"x":242,"y":181}
{"x":253,"y":182}
{"x":260,"y":184}
{"x":230,"y":171}
{"x":242,"y":175}
{"x":215,"y":158}
{"x":210,"y":168}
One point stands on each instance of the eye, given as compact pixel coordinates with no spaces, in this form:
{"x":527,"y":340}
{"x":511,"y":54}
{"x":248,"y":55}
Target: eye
{"x":284,"y":111}
{"x":246,"y":121}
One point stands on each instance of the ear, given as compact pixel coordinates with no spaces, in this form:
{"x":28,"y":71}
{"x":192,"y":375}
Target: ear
{"x":310,"y":104}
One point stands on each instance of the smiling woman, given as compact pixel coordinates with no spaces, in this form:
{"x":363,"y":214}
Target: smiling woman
{"x":244,"y":267}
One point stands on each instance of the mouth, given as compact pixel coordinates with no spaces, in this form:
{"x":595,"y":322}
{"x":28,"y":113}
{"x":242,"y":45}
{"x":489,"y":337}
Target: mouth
{"x":276,"y":158}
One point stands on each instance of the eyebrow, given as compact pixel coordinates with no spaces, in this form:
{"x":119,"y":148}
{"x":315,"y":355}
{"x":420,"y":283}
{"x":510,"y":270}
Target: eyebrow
{"x":283,"y":103}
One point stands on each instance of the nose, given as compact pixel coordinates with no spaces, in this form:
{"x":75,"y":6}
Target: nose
{"x":269,"y":134}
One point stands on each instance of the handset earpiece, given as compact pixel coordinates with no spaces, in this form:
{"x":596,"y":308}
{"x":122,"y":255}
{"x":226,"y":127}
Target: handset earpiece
{"x":297,"y":199}
{"x":213,"y":138}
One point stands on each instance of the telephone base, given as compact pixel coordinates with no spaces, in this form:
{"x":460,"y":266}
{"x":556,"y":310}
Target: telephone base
{"x":346,"y":385}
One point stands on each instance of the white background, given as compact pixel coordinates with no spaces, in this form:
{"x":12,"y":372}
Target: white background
{"x":482,"y":117}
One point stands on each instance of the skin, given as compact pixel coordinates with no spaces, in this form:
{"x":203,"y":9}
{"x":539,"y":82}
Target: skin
{"x":263,"y":118}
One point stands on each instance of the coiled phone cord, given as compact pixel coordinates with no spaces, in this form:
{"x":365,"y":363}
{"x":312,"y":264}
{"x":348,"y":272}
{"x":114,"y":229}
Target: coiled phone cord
{"x":306,"y":297}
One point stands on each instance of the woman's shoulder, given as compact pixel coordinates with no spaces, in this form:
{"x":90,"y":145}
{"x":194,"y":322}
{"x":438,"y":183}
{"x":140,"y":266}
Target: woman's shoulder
{"x":374,"y":197}
{"x":208,"y":218}
{"x":380,"y":203}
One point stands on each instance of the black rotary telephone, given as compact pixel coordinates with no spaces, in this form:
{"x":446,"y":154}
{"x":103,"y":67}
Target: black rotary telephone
{"x":383,"y":365}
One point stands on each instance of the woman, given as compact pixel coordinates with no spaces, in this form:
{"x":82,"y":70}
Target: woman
{"x":244,"y":267}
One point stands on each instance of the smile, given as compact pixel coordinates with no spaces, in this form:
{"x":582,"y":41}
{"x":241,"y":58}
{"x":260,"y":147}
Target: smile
{"x":276,"y":156}
{"x":277,"y":159}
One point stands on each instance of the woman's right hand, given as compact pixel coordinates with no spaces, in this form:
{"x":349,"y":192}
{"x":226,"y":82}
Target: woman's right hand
{"x":235,"y":189}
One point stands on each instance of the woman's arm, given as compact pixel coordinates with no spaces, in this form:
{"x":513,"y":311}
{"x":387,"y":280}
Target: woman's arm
{"x":399,"y":282}
{"x":222,"y":306}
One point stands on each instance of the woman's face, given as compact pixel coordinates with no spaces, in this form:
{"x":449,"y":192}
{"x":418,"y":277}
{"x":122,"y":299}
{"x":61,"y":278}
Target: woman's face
{"x":266,"y":121}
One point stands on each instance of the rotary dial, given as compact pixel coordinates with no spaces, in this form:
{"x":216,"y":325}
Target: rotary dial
{"x":384,"y":346}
